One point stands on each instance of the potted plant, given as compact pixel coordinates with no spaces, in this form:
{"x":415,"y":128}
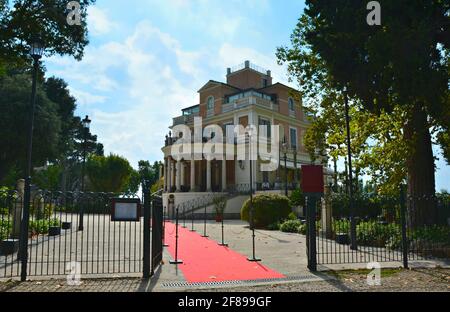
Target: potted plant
{"x":220,"y":202}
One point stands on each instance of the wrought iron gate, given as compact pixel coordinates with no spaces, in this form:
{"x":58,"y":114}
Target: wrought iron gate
{"x":58,"y":242}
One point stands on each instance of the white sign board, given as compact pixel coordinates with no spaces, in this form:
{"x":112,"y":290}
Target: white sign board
{"x":126,"y":210}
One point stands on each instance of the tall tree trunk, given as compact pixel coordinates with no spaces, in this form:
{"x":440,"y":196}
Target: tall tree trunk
{"x":421,"y":170}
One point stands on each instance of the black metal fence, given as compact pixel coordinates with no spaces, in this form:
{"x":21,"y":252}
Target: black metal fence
{"x":157,"y":232}
{"x":385,"y":229}
{"x":55,"y":241}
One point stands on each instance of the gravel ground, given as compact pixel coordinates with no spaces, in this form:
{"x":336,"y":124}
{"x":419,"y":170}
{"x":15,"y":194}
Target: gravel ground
{"x":418,"y":280}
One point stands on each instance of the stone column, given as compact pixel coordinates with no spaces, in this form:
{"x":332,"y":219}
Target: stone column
{"x":193,"y":187}
{"x":169,"y":175}
{"x":165,"y":175}
{"x":178,"y":176}
{"x":208,"y":175}
{"x":224,"y":175}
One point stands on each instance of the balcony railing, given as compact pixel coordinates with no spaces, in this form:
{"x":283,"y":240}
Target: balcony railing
{"x":249,"y":101}
{"x":185,"y":119}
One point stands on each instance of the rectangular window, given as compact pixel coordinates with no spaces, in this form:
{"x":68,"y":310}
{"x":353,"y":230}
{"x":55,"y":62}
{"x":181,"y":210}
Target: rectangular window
{"x":293,"y":137}
{"x":264,"y":82}
{"x":265,"y":122}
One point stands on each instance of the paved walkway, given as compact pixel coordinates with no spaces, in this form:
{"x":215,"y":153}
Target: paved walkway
{"x":204,"y":260}
{"x":421,"y":280}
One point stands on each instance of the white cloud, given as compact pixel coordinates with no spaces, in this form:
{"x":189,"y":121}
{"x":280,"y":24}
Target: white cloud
{"x":85,"y":98}
{"x":99,"y":22}
{"x":233,"y":55}
{"x":148,"y":78}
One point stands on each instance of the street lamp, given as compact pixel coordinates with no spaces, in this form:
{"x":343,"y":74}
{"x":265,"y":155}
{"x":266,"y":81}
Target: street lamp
{"x":249,"y":135}
{"x":86,"y":123}
{"x":353,"y":245}
{"x":284,"y":149}
{"x":36,"y":52}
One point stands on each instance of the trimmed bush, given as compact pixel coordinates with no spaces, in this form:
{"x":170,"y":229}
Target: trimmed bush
{"x":267,"y":209}
{"x":290,"y":226}
{"x":274,"y":226}
{"x":375,"y":234}
{"x":292,"y":216}
{"x":302,"y":229}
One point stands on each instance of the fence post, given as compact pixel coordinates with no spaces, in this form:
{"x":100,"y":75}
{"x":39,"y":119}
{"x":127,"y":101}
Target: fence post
{"x":164,"y":227}
{"x":403,"y":221}
{"x":147,"y":266}
{"x":24,"y":226}
{"x":176,"y":260}
{"x":311,"y":232}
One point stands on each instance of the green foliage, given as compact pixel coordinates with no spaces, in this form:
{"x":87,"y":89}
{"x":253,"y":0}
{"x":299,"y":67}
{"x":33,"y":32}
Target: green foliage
{"x":108,"y":174}
{"x":297,"y":198}
{"x":42,"y":226}
{"x":40,"y":210}
{"x":133,"y":184}
{"x":220,"y":203}
{"x":5,"y":228}
{"x":268,"y":209}
{"x":396,"y":77}
{"x":302,"y":229}
{"x":290,"y":226}
{"x":157,"y":186}
{"x":48,"y":179}
{"x":45,"y":20}
{"x":292,"y":216}
{"x":15,"y":108}
{"x":274,"y":226}
{"x":341,"y":226}
{"x":366,"y":205}
{"x":433,"y":234}
{"x":373,"y":233}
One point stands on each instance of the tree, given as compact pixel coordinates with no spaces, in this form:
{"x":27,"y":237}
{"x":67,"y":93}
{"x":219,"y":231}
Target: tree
{"x":149,"y":173}
{"x":399,"y":67}
{"x":48,"y":178}
{"x":43,"y":19}
{"x":108,"y":174}
{"x":58,"y":135}
{"x":133,"y":183}
{"x":15,"y":108}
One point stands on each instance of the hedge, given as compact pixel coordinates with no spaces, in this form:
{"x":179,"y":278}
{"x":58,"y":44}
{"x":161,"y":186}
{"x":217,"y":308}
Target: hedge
{"x":267,"y":209}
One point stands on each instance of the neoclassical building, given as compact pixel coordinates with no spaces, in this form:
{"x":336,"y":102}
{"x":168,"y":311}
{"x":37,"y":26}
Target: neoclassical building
{"x":248,"y":97}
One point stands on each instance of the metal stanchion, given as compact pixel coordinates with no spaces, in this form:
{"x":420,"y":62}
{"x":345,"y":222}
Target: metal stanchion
{"x":223,"y":240}
{"x":204,"y":223}
{"x":176,"y":260}
{"x":184,"y":217}
{"x":192,"y":217}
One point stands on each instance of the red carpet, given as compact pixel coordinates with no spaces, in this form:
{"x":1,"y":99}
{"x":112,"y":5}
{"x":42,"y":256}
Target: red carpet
{"x":205,"y":261}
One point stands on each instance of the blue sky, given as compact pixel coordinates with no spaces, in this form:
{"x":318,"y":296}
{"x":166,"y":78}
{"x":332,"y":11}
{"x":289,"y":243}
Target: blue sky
{"x":148,"y":58}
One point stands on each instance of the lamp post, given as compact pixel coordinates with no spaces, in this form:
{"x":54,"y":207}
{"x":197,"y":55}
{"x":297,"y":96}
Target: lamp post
{"x":86,"y":122}
{"x":353,"y":245}
{"x":252,"y":226}
{"x":36,"y":51}
{"x":284,"y":148}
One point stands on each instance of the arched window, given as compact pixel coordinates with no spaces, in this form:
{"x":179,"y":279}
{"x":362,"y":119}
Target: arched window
{"x":210,"y":103}
{"x":291,"y":105}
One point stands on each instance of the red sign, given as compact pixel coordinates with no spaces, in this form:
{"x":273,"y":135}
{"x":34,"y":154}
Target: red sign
{"x":312,"y":179}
